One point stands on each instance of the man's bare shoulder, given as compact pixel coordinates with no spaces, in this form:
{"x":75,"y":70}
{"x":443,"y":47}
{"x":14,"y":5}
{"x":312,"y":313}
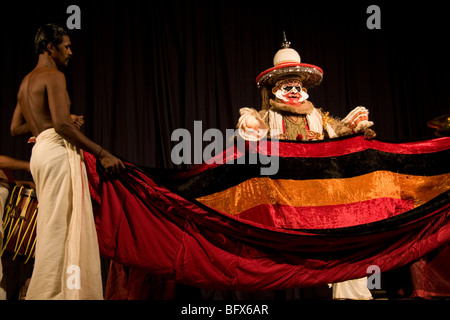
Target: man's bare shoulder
{"x":23,"y":88}
{"x":44,"y":75}
{"x":41,"y":79}
{"x":51,"y":75}
{"x":54,"y":78}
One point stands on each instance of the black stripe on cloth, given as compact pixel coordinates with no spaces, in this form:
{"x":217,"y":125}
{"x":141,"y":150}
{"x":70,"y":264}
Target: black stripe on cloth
{"x":225,"y":176}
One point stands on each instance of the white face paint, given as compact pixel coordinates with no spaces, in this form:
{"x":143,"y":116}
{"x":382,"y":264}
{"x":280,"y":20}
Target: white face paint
{"x":290,"y":91}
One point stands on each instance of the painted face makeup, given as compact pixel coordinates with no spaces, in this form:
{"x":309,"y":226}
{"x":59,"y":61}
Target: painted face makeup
{"x":290,"y":91}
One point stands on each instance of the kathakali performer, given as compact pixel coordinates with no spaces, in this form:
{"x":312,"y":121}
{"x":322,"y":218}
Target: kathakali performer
{"x":287,"y":113}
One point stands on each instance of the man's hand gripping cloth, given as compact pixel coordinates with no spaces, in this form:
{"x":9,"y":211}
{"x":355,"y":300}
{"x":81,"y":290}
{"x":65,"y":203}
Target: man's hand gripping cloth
{"x":67,"y":263}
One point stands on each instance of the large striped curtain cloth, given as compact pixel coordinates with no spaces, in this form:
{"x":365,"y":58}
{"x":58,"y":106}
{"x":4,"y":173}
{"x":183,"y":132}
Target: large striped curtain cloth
{"x":333,"y":209}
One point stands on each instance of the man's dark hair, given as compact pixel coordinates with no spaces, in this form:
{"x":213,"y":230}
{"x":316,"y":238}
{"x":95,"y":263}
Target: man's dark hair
{"x":49,"y":33}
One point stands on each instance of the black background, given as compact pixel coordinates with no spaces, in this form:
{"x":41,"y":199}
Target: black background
{"x":142,"y":69}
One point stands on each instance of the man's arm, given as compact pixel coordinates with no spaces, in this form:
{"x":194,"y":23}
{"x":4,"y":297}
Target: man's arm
{"x":63,"y":124}
{"x":9,"y":163}
{"x":18,"y":124}
{"x":13,"y":164}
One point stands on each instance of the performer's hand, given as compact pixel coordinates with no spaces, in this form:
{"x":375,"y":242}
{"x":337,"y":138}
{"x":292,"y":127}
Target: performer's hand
{"x":358,"y":119}
{"x":369,"y":134}
{"x":78,"y":121}
{"x":112,"y":164}
{"x":250,"y":125}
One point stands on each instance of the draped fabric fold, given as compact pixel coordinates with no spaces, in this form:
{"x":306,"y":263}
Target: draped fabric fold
{"x":333,"y":209}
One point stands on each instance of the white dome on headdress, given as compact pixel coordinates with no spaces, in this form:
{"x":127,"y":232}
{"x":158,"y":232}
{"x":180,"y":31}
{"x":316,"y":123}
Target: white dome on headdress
{"x":286,"y":54}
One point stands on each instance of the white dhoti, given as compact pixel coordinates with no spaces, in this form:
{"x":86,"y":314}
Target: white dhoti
{"x":355,"y":289}
{"x":67,"y":262}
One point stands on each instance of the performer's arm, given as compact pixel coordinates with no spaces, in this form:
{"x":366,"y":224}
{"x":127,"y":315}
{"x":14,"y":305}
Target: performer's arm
{"x":59,"y":105}
{"x":18,"y":125}
{"x":10,"y":163}
{"x":13,"y":164}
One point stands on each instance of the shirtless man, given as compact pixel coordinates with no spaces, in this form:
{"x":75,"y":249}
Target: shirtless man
{"x":43,"y":103}
{"x":67,"y":262}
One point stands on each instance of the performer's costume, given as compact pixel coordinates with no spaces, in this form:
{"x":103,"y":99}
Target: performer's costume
{"x":355,"y":289}
{"x":291,"y":116}
{"x":288,"y":114}
{"x":67,"y":263}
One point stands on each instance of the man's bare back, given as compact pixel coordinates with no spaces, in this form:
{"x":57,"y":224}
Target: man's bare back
{"x":34,"y":102}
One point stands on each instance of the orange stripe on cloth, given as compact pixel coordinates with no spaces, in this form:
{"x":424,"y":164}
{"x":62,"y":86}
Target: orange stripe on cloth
{"x":326,"y":192}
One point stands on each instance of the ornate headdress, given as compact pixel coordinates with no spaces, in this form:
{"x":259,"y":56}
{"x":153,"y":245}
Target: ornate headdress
{"x":287,"y":63}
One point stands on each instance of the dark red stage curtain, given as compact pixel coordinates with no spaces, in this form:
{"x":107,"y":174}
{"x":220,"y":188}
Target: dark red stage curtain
{"x":332,"y":209}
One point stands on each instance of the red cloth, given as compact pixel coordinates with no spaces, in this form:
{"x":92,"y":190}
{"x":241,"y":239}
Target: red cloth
{"x":183,"y":242}
{"x":325,"y":217}
{"x":135,"y":284}
{"x":429,"y":275}
{"x":143,"y":224}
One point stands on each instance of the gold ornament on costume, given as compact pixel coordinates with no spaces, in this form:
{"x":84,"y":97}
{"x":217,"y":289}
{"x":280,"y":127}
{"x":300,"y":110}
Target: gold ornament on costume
{"x":326,"y":119}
